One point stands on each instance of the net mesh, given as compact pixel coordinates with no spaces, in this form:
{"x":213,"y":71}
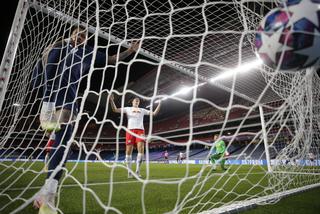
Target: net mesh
{"x":187,"y":43}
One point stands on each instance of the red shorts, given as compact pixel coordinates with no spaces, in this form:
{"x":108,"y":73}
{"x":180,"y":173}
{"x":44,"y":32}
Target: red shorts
{"x":49,"y":145}
{"x":131,"y":139}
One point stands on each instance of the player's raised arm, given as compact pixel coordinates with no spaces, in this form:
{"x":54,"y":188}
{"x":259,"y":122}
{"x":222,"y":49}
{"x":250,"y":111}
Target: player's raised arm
{"x":156,"y":111}
{"x":133,"y":48}
{"x":113,"y":105}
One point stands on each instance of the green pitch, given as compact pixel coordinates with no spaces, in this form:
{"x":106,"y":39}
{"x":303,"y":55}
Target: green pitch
{"x":162,"y":187}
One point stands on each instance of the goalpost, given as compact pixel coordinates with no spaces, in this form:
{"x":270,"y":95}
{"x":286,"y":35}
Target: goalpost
{"x":209,"y":42}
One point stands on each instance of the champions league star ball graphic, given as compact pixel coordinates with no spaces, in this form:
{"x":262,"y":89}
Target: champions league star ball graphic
{"x":288,"y":37}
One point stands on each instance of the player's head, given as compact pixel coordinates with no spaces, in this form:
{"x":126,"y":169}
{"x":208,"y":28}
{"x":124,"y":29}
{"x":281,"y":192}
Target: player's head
{"x":78,"y":35}
{"x":136,"y":102}
{"x":215,"y":137}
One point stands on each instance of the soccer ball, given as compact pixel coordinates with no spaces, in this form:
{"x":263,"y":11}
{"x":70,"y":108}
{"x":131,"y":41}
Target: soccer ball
{"x":288,"y":37}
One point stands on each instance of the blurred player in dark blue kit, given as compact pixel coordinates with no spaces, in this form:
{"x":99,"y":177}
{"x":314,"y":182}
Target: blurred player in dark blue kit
{"x":64,"y":64}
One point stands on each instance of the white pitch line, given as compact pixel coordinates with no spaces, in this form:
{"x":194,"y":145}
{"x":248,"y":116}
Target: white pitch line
{"x":120,"y":182}
{"x":97,"y":184}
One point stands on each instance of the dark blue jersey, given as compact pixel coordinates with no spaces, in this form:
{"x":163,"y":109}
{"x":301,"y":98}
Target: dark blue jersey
{"x":37,"y":79}
{"x":64,"y":68}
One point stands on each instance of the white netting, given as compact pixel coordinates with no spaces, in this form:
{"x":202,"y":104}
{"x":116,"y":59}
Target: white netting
{"x":183,"y":43}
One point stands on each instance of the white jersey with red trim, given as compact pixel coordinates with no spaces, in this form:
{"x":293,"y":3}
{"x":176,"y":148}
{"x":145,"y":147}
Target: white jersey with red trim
{"x":135,"y":117}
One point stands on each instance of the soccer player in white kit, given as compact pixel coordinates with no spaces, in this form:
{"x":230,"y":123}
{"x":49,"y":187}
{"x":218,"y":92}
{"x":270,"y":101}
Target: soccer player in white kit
{"x":135,"y":135}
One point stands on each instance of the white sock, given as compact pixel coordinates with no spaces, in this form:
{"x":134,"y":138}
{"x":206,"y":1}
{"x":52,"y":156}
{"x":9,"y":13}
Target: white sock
{"x":214,"y":166}
{"x":129,"y":161}
{"x":139,"y":161}
{"x":46,"y":159}
{"x":50,"y":189}
{"x":51,"y":186}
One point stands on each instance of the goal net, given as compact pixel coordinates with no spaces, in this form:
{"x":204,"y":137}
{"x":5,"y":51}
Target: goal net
{"x":198,"y":58}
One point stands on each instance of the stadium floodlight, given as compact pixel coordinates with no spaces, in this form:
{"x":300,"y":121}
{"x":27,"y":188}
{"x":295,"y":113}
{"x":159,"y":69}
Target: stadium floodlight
{"x":185,"y":90}
{"x":241,"y":69}
{"x":182,"y":91}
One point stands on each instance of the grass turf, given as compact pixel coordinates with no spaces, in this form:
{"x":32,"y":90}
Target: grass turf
{"x":306,"y":202}
{"x":193,"y":188}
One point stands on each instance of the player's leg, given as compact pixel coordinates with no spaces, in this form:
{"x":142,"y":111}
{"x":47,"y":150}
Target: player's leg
{"x":128,"y":160}
{"x":59,"y":148}
{"x":224,"y":158}
{"x":213,"y":162}
{"x":222,"y":163}
{"x":214,"y":159}
{"x":61,"y":139}
{"x":48,"y":149}
{"x":140,"y":147}
{"x":130,"y":140}
{"x":46,"y":197}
